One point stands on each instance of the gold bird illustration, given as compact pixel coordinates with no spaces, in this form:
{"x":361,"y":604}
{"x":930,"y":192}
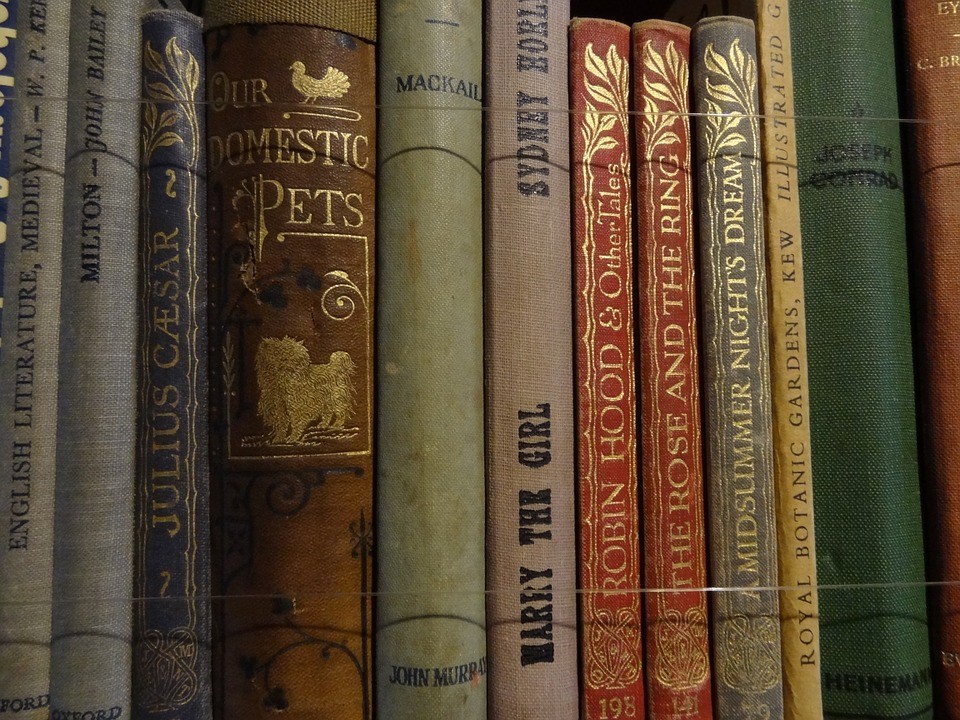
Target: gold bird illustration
{"x":334,"y":84}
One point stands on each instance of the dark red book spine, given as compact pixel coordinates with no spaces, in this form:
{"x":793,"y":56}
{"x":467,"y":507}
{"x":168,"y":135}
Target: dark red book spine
{"x":608,"y":518}
{"x":674,"y":541}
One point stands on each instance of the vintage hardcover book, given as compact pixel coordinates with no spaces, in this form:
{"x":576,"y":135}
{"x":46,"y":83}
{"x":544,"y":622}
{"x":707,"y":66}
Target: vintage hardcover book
{"x":171,"y":652}
{"x":431,"y":642}
{"x":607,"y":475}
{"x":674,"y":530}
{"x":8,"y":45}
{"x":28,"y":365}
{"x":291,"y":158}
{"x":875,"y":651}
{"x":793,"y":472}
{"x":96,"y":411}
{"x":531,"y":550}
{"x":933,"y":82}
{"x":738,"y":424}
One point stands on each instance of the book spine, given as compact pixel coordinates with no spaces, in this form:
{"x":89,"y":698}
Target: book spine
{"x":862,"y":410}
{"x":28,"y":365}
{"x":8,"y":49}
{"x":431,"y":647}
{"x":96,"y":412}
{"x":607,"y":477}
{"x":674,"y":530}
{"x":292,"y":165}
{"x":531,"y":549}
{"x":793,"y":472}
{"x":171,"y":658}
{"x":739,"y":457}
{"x":932,"y":84}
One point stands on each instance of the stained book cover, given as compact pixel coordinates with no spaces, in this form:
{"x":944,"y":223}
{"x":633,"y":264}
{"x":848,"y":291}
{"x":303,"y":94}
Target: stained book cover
{"x":171,"y":658}
{"x":863,"y":422}
{"x":291,"y":162}
{"x":431,"y":602}
{"x":531,"y":551}
{"x":35,"y":141}
{"x":793,"y":468}
{"x":739,"y":453}
{"x":607,"y":473}
{"x":933,"y":80}
{"x":674,"y":530}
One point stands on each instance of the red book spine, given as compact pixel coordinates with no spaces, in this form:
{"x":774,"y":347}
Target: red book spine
{"x":608,"y":519}
{"x":674,"y":536}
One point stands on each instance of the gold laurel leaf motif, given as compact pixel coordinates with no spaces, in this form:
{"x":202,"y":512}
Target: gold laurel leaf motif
{"x":665,"y":80}
{"x":614,"y":648}
{"x":594,"y":64}
{"x":296,"y":394}
{"x":752,"y":662}
{"x":682,"y":661}
{"x":333,"y":85}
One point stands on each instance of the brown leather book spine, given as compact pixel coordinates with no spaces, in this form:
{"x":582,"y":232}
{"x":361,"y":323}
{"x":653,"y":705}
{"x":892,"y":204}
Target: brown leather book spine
{"x":933,"y":84}
{"x":290,"y":141}
{"x":674,"y":533}
{"x":608,"y":518}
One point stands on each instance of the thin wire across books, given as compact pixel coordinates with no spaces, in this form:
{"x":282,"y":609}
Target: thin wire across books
{"x":950,"y":121}
{"x":835,"y":587}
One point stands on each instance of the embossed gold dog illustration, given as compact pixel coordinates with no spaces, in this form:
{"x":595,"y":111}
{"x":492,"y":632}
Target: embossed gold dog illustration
{"x":296,"y":395}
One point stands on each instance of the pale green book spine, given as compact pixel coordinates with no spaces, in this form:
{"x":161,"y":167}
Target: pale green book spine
{"x":430,"y":635}
{"x":28,"y":372}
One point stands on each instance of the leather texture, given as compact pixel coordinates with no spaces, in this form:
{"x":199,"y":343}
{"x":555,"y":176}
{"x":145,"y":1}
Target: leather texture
{"x":932,"y":83}
{"x":431,"y":630}
{"x":291,"y":157}
{"x":528,"y":350}
{"x":171,"y":652}
{"x":607,"y":474}
{"x":31,"y":337}
{"x":735,"y":332}
{"x":90,"y":669}
{"x":674,"y":528}
{"x":862,"y":410}
{"x":793,"y":471}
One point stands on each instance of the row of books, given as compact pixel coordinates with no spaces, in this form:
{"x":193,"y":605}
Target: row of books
{"x":575,"y":428}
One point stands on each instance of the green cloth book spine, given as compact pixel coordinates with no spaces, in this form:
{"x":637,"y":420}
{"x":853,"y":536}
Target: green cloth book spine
{"x":875,"y":653}
{"x":430,"y":629}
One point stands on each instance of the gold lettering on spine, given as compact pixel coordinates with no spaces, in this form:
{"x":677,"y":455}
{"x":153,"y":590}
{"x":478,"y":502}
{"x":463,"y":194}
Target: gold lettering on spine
{"x":681,"y":660}
{"x":613,"y":659}
{"x":171,"y":378}
{"x":750,"y":664}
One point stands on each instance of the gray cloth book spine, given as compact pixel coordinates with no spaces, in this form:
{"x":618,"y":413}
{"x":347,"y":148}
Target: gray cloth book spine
{"x":738,"y":428}
{"x":531,"y":552}
{"x":430,"y":630}
{"x":96,"y":439}
{"x":28,"y":370}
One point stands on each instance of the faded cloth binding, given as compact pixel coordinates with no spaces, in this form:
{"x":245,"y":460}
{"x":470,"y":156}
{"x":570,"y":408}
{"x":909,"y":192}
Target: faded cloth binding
{"x":355,"y":18}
